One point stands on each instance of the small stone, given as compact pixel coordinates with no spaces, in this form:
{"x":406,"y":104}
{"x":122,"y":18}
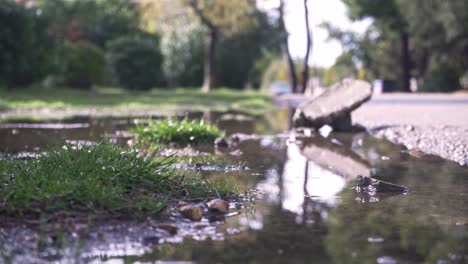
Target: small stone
{"x":192,"y":212}
{"x":182,"y":203}
{"x":373,"y":185}
{"x":171,"y":229}
{"x":151,"y":240}
{"x":218,"y":206}
{"x":221,"y":142}
{"x":416,"y":153}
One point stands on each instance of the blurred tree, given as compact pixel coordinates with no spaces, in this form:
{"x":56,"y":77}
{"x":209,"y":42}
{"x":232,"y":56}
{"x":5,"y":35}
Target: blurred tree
{"x":182,"y":48}
{"x":286,"y":50}
{"x":96,"y":21}
{"x":433,"y":32}
{"x":241,"y":55}
{"x":387,"y":15}
{"x":373,"y":50}
{"x":135,"y":61}
{"x":220,"y":17}
{"x":182,"y":40}
{"x":305,"y":67}
{"x":84,"y":65}
{"x":240,"y":42}
{"x":344,"y":67}
{"x":440,"y":41}
{"x":278,"y":70}
{"x":26,"y":51}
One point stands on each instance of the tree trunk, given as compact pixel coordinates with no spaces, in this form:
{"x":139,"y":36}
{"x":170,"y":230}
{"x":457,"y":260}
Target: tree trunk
{"x":405,"y":62}
{"x":210,"y":49}
{"x":305,"y":67}
{"x":210,"y":46}
{"x":291,"y":66}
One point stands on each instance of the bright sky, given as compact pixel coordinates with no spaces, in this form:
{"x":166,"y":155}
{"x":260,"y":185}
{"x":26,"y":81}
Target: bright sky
{"x":324,"y":52}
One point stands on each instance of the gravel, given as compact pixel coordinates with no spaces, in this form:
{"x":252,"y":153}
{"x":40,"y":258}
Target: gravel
{"x":433,"y":123}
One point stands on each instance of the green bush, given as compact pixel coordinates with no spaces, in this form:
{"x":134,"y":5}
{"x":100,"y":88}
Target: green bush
{"x":26,"y":50}
{"x":443,"y":78}
{"x":135,"y":61}
{"x":182,"y":133}
{"x":84,"y":65}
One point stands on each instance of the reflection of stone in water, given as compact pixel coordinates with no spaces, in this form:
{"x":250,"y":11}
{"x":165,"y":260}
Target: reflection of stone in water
{"x":337,"y":158}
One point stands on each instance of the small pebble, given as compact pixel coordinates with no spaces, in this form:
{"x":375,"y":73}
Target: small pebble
{"x":218,"y":206}
{"x":192,"y":212}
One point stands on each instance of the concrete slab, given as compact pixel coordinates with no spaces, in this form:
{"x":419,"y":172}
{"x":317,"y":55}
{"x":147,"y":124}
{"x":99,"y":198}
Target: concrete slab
{"x":333,"y":107}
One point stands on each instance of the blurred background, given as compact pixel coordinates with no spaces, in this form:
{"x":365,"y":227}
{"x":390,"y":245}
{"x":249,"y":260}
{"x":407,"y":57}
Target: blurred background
{"x":281,"y":46}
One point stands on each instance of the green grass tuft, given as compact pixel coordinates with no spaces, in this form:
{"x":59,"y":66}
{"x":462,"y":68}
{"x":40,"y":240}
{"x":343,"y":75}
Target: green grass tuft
{"x":182,"y":133}
{"x":97,"y":179}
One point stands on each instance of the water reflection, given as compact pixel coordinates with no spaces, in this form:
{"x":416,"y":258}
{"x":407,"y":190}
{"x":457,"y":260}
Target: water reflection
{"x":306,"y":211}
{"x":309,"y":211}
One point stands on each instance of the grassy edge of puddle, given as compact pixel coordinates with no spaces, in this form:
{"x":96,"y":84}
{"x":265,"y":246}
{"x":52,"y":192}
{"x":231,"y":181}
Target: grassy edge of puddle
{"x":101,"y":179}
{"x":181,"y":132}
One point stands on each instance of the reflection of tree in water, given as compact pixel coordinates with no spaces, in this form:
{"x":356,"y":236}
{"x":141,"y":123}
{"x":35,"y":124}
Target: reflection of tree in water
{"x":312,"y":211}
{"x":407,"y":236}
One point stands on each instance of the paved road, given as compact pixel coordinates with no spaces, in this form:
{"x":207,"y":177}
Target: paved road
{"x":415,"y":109}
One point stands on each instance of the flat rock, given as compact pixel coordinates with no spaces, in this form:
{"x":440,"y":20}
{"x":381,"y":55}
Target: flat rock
{"x":334,"y":106}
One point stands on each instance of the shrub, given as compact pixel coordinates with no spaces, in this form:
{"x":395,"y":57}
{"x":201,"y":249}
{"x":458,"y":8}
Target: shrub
{"x":443,"y":78}
{"x":135,"y":61}
{"x":182,"y":133}
{"x":84,"y":65}
{"x":26,"y":50}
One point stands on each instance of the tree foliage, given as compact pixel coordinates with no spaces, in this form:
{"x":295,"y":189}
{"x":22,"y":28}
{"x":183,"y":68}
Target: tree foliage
{"x":26,"y":51}
{"x":228,"y":17}
{"x":239,"y":56}
{"x":242,"y":34}
{"x":427,"y":40}
{"x":84,"y":65}
{"x":135,"y":61}
{"x":440,"y":40}
{"x":96,"y":21}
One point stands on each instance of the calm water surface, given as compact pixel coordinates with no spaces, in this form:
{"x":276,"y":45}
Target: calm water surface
{"x":305,"y":211}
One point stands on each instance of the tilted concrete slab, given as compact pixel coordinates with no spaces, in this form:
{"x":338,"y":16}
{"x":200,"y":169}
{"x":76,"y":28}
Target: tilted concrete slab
{"x":334,"y":106}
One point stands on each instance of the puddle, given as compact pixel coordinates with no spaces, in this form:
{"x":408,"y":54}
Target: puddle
{"x":306,"y":208}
